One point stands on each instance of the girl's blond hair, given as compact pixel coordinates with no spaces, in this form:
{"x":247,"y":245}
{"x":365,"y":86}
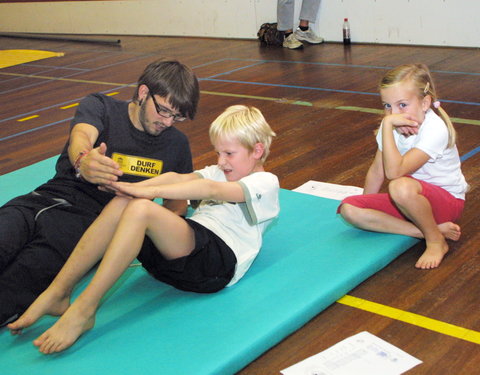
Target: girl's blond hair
{"x":246,"y":124}
{"x":420,"y":76}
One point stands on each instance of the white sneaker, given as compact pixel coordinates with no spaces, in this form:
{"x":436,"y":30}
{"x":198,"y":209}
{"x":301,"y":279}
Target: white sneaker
{"x":308,"y":36}
{"x":292,"y":42}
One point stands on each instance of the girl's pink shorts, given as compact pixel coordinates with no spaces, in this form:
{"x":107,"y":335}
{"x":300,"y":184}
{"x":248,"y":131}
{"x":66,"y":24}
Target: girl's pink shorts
{"x":445,"y":206}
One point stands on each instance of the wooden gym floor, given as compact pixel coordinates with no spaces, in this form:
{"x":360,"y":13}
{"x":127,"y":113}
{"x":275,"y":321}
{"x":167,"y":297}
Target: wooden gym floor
{"x":322,"y":101}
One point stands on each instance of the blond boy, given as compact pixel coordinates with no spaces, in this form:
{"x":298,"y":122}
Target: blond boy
{"x":205,"y":253}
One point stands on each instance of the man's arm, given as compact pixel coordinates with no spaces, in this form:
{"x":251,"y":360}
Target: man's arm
{"x":92,"y":163}
{"x":82,"y":138}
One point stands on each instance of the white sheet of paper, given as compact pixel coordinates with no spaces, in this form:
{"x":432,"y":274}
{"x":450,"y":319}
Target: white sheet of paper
{"x":327,"y":190}
{"x":361,"y":354}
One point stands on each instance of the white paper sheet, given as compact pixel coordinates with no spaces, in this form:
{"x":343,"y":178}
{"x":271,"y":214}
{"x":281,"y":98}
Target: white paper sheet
{"x":361,"y":354}
{"x":327,"y":190}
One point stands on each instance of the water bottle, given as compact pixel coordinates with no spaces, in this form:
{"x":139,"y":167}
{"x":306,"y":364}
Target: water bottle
{"x":346,"y":32}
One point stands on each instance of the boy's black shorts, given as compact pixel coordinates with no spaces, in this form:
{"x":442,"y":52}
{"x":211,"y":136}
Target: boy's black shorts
{"x":207,"y":269}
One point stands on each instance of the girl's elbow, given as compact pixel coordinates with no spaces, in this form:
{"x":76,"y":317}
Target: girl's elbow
{"x":392,"y":175}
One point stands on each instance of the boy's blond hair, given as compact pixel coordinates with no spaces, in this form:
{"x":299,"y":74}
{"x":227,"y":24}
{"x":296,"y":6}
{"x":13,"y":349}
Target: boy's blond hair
{"x":420,"y":76}
{"x":246,"y":124}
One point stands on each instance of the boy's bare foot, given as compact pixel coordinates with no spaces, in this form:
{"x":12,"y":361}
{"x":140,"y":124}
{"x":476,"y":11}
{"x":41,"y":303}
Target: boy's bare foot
{"x":63,"y":334}
{"x":433,"y":255}
{"x":450,"y":231}
{"x":47,"y":303}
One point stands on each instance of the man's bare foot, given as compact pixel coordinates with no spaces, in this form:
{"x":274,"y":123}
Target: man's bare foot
{"x":47,"y":303}
{"x":450,"y":231}
{"x":65,"y":331}
{"x":433,"y":255}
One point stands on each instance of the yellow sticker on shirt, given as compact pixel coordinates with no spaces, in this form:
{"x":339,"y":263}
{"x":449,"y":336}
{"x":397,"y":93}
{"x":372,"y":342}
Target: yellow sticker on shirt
{"x":138,"y":166}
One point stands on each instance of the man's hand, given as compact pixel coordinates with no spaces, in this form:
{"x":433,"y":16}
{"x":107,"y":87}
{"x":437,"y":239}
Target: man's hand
{"x":97,"y":168}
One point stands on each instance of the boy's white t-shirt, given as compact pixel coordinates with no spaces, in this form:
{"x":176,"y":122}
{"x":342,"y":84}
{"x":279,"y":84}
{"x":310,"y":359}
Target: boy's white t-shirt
{"x":241,"y":225}
{"x":443,"y":168}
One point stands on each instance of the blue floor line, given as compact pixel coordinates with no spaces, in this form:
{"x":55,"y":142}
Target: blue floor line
{"x":469,"y":154}
{"x":289,"y":86}
{"x":35,"y":129}
{"x":59,"y":105}
{"x":321,"y":89}
{"x":236,"y":70}
{"x":351,"y":65}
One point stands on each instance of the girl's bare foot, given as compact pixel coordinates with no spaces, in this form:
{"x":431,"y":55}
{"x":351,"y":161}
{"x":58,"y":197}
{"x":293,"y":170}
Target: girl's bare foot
{"x":450,"y":231}
{"x":63,"y":334}
{"x":433,"y":255}
{"x":47,"y":303}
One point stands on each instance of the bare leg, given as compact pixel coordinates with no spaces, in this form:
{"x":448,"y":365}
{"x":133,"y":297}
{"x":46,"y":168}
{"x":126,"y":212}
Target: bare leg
{"x":168,"y":232}
{"x":450,"y":231}
{"x":378,"y":221}
{"x":406,"y":193}
{"x":56,"y":298}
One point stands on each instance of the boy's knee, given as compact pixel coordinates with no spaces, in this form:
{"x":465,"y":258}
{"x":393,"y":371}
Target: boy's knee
{"x":120,"y":202}
{"x":139,"y":207}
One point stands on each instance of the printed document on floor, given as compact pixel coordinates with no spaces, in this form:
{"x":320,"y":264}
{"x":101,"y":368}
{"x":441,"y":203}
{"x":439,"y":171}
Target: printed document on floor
{"x":327,"y":190}
{"x":361,"y":354}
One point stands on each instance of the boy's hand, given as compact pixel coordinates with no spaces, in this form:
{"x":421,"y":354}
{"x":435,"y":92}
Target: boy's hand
{"x":126,"y":189}
{"x":98,"y":168}
{"x":403,"y":122}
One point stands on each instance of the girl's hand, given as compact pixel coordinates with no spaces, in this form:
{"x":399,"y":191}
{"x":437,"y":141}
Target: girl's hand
{"x":404,"y":123}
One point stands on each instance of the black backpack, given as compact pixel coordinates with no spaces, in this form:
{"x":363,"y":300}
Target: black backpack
{"x":268,"y":34}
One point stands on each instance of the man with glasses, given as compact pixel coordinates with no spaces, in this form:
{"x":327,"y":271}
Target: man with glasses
{"x":110,"y":140}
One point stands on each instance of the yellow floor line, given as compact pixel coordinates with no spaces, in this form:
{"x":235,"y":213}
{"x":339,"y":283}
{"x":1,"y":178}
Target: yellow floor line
{"x":278,"y":100}
{"x":77,"y":104}
{"x":411,"y":318}
{"x":27,"y":118}
{"x":70,"y":106}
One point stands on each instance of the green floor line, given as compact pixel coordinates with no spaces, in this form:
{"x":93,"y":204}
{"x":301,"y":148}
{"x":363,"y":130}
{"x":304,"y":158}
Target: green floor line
{"x":279,"y":100}
{"x":309,"y":104}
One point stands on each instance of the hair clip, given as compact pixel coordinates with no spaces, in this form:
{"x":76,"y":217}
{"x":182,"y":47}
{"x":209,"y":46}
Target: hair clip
{"x":427,"y":87}
{"x":436,"y":104}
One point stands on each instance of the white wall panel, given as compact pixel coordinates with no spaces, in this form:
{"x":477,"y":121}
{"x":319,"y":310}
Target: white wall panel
{"x":418,"y":22}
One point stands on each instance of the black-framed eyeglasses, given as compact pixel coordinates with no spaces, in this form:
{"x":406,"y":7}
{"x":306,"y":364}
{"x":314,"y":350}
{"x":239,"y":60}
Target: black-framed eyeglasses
{"x":165,"y":112}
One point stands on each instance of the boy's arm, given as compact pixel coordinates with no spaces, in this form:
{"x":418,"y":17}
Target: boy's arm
{"x":167,"y":178}
{"x":177,"y":206}
{"x":375,"y":175}
{"x":191,"y":186}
